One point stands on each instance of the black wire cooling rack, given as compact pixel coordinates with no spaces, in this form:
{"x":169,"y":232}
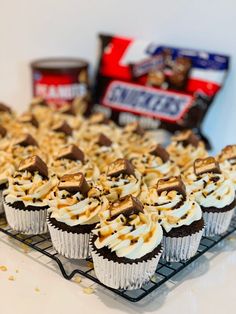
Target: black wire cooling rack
{"x":165,"y":271}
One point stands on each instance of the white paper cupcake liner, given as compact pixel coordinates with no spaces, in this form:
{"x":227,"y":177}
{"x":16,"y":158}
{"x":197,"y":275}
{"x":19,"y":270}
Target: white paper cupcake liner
{"x":181,"y":248}
{"x":26,"y":221}
{"x":68,"y":244}
{"x":217,"y":223}
{"x":123,"y":276}
{"x":1,"y":203}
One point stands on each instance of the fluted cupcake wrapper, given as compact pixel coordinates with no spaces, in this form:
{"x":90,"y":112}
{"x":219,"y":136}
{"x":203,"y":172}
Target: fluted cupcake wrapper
{"x":1,"y":202}
{"x":181,"y":248}
{"x":68,"y":244}
{"x":26,"y":221}
{"x":123,"y":275}
{"x":217,"y":223}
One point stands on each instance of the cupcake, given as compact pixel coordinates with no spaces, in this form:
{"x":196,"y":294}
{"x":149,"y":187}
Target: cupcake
{"x":155,"y":164}
{"x":6,"y":115}
{"x":227,"y":161}
{"x":120,"y":179}
{"x":74,"y":208}
{"x":70,"y":159}
{"x":185,"y":148}
{"x":102,"y":151}
{"x":26,"y":198}
{"x":214,"y":192}
{"x":180,"y":217}
{"x":134,"y":140}
{"x":126,"y":245}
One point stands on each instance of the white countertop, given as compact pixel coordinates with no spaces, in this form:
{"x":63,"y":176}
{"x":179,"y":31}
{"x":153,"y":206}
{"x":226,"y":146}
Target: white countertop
{"x":208,"y":286}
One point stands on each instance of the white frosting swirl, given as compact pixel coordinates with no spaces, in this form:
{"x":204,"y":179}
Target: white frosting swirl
{"x":132,"y":238}
{"x":173,"y":209}
{"x":31,"y":189}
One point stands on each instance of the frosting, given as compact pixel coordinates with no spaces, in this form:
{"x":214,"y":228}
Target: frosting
{"x":76,"y":209}
{"x":131,"y":237}
{"x":31,"y":189}
{"x":152,"y":168}
{"x":172,"y":208}
{"x":117,"y":187}
{"x":210,"y":189}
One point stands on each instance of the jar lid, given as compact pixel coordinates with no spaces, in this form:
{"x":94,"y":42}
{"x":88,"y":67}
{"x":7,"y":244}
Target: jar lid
{"x":52,"y":64}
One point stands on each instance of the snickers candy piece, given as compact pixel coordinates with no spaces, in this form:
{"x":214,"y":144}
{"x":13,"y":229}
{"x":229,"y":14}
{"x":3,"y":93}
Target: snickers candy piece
{"x":228,"y":153}
{"x":187,"y":138}
{"x":103,"y":140}
{"x":126,"y":206}
{"x":26,"y":140}
{"x":4,"y":108}
{"x":62,"y":127}
{"x":98,"y":118}
{"x":160,"y":151}
{"x":171,"y":184}
{"x":29,"y":118}
{"x":206,"y":165}
{"x":3,"y":131}
{"x":74,"y":183}
{"x":120,"y":166}
{"x":71,"y":152}
{"x":134,"y":127}
{"x":34,"y":164}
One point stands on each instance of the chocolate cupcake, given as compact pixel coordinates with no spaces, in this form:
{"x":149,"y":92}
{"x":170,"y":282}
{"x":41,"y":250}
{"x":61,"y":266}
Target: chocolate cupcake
{"x":126,"y":245}
{"x":227,"y":161}
{"x":155,"y":164}
{"x":185,"y":148}
{"x":26,"y":198}
{"x":180,"y":217}
{"x":120,"y":179}
{"x":214,"y":192}
{"x":71,"y":159}
{"x":74,"y":208}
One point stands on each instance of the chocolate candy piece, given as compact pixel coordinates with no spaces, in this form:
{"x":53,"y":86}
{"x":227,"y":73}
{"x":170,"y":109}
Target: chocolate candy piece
{"x":29,"y":118}
{"x":74,"y":183}
{"x":187,"y":138}
{"x":160,"y":151}
{"x":98,"y":118}
{"x":171,"y":184}
{"x":4,"y":108}
{"x":26,"y":140}
{"x":134,"y":127}
{"x":62,"y":127}
{"x":228,"y":153}
{"x":126,"y":206}
{"x":205,"y":165}
{"x":3,"y":131}
{"x":33,"y":164}
{"x":103,"y":140}
{"x":71,"y":152}
{"x":120,"y":166}
{"x":68,"y":109}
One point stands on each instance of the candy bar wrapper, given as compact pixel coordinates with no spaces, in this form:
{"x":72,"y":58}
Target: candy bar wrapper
{"x":1,"y":202}
{"x":181,"y":248}
{"x":217,"y":223}
{"x":26,"y":221}
{"x":160,"y":86}
{"x":121,"y":275}
{"x":68,"y":244}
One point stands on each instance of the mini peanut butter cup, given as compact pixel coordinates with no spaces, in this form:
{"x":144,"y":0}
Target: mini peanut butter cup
{"x":34,"y":164}
{"x":126,"y":206}
{"x":71,"y":152}
{"x":206,"y":165}
{"x":120,"y":166}
{"x":173,"y":183}
{"x":73,"y":183}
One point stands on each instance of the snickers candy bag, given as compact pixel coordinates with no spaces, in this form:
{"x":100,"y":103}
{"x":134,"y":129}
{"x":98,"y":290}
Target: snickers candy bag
{"x":161,"y":86}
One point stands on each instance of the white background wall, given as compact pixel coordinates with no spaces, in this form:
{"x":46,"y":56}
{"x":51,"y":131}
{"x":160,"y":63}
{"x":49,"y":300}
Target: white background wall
{"x":32,"y":29}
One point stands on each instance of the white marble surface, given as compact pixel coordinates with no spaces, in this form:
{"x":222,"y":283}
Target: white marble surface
{"x":208,"y":286}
